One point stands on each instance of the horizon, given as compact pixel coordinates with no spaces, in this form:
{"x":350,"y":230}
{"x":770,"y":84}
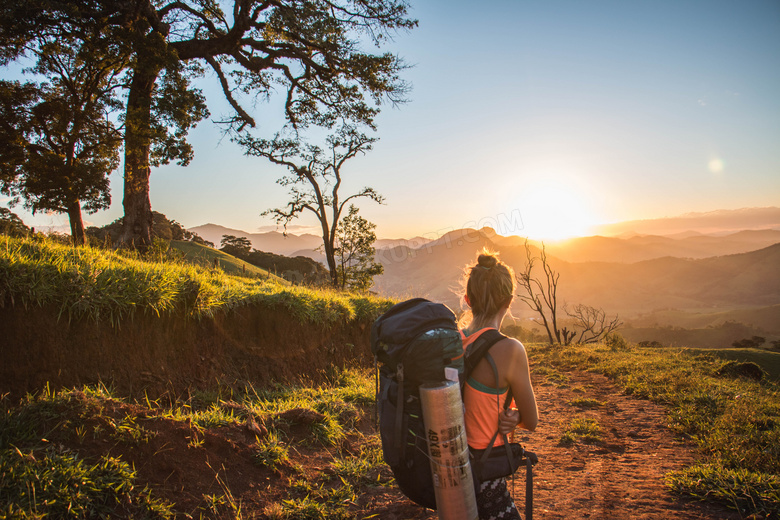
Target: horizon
{"x":623,"y":227}
{"x":571,"y":116}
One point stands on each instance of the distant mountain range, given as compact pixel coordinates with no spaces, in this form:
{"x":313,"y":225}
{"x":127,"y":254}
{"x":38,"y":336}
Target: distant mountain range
{"x":631,"y":275}
{"x":270,"y":242}
{"x":717,"y":282}
{"x":722,"y":221}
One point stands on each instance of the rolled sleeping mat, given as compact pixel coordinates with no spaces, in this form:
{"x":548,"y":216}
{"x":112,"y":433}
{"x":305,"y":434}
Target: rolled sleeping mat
{"x":448,"y":451}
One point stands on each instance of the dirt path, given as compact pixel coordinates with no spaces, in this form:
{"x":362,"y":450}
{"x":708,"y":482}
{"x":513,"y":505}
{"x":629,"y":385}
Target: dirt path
{"x":618,"y":478}
{"x":622,"y":477}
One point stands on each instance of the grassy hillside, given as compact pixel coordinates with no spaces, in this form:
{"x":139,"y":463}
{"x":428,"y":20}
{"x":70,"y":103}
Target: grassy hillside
{"x":208,"y":257}
{"x":111,"y":285}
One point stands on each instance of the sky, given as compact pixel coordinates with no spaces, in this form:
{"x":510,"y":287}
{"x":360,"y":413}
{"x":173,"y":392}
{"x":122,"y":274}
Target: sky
{"x":536,"y":118}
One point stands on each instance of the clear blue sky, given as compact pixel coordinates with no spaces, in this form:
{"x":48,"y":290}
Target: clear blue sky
{"x":542,"y":117}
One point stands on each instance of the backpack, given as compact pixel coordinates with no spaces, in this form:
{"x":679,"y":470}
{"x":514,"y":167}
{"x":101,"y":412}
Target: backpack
{"x":417,"y":342}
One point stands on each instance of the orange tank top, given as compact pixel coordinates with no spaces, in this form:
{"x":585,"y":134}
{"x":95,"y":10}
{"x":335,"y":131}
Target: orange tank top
{"x":482,"y":406}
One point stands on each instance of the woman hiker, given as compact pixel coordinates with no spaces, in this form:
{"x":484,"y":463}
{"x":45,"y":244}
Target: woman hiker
{"x":490,"y":286}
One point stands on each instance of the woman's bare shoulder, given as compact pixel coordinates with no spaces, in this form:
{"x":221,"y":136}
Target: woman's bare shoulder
{"x":508,"y":348}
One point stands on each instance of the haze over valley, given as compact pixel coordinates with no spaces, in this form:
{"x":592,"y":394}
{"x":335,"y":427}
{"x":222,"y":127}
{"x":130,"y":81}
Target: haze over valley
{"x":690,"y":279}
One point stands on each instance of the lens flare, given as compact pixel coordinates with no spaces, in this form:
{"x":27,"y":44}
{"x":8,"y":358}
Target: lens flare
{"x":716,"y":165}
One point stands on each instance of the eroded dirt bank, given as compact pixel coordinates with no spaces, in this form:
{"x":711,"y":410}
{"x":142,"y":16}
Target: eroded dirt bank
{"x":168,"y":353}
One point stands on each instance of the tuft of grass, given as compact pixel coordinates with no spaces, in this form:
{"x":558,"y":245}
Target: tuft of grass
{"x":552,"y":376}
{"x":365,"y":468}
{"x":271,"y":451}
{"x":586,"y":402}
{"x":583,"y":430}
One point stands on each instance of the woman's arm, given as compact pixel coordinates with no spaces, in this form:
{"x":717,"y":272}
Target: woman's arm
{"x":513,"y":362}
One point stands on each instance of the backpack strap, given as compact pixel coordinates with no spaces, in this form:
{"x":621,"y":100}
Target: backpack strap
{"x":399,"y":412}
{"x":478,"y":348}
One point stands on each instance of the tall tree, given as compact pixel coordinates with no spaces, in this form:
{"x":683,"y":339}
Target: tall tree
{"x":311,"y":50}
{"x":315,"y":180}
{"x":63,"y":144}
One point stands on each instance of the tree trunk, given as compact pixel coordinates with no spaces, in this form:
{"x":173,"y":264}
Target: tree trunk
{"x":330,"y":257}
{"x":137,"y":223}
{"x":76,"y":223}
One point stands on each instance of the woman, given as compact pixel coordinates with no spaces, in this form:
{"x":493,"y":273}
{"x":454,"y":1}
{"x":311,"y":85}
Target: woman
{"x":489,"y":291}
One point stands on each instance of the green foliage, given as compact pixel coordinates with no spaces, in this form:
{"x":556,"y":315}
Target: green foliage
{"x":581,"y":429}
{"x":616,"y":342}
{"x":40,"y":477}
{"x":204,"y":256}
{"x":109,"y":286}
{"x":57,"y":484}
{"x":768,"y":361}
{"x":300,"y":269}
{"x":63,"y":143}
{"x":310,"y":51}
{"x":354,"y":252}
{"x":744,"y":490}
{"x":11,"y":224}
{"x":365,"y":468}
{"x":271,"y":451}
{"x":236,"y":246}
{"x":315,"y":179}
{"x":734,"y":421}
{"x":754,"y":342}
{"x":162,"y":228}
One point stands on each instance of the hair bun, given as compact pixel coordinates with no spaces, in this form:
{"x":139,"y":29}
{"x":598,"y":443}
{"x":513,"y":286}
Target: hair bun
{"x":487,"y":261}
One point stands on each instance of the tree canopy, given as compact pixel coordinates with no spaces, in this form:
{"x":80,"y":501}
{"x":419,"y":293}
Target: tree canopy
{"x":62,"y":143}
{"x":355,"y":254}
{"x":309,"y":52}
{"x":314,"y":177}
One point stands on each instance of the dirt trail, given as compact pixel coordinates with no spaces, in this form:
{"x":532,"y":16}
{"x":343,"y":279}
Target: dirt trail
{"x":621,"y":477}
{"x":618,"y":478}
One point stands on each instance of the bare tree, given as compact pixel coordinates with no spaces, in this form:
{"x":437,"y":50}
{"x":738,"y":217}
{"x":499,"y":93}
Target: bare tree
{"x":541,"y":294}
{"x":593,"y":323}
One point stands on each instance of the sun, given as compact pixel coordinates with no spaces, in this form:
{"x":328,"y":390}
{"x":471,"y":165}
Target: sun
{"x":555,"y":211}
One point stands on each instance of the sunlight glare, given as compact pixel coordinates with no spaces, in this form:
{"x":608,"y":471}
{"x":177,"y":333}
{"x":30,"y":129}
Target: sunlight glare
{"x":555,"y":211}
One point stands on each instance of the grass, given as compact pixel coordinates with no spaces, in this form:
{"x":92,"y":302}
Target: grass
{"x":205,"y":256}
{"x":767,"y":360}
{"x":272,"y":452}
{"x":586,"y":402}
{"x":109,"y":286}
{"x":583,"y":430}
{"x":55,"y":483}
{"x":44,"y":474}
{"x":734,"y":421}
